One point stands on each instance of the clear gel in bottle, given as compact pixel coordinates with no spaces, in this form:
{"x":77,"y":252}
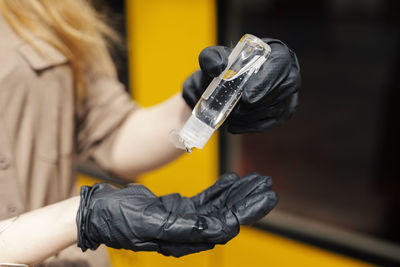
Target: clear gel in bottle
{"x":222,"y":94}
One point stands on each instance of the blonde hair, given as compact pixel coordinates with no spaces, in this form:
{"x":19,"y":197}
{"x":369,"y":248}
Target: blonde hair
{"x":71,"y":26}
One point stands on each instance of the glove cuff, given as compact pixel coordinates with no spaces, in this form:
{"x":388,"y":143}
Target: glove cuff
{"x":83,"y":240}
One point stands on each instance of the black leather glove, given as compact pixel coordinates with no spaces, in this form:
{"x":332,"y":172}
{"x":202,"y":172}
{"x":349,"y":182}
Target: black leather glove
{"x":269,"y":96}
{"x":134,"y":218}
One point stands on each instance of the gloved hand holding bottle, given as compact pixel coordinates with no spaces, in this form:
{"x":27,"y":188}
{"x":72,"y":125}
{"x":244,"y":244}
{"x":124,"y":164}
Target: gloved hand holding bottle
{"x":269,"y":96}
{"x":136,"y":219}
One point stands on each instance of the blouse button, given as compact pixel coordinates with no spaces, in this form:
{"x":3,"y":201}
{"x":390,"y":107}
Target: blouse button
{"x":4,"y":163}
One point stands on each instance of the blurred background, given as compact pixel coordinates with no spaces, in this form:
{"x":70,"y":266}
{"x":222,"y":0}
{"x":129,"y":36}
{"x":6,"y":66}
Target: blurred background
{"x":334,"y":164}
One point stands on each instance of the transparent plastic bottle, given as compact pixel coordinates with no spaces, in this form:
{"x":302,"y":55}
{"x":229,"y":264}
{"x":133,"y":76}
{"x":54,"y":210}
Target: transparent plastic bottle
{"x":222,"y":94}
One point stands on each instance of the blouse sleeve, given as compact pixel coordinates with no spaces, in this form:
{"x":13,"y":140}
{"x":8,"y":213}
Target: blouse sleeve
{"x":106,"y":107}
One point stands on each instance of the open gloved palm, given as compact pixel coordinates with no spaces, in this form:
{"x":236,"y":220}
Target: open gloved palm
{"x":136,"y":219}
{"x":269,"y":96}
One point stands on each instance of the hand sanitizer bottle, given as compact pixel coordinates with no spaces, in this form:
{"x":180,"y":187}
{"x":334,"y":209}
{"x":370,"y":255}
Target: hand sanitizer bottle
{"x":222,"y":94}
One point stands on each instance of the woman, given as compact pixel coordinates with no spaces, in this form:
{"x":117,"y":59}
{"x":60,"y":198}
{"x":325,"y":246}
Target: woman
{"x":60,"y":102}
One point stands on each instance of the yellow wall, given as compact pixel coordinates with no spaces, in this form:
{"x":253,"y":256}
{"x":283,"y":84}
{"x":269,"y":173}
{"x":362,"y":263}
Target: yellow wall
{"x":165,"y":38}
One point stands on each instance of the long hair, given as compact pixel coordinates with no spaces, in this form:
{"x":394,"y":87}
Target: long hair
{"x":71,"y":26}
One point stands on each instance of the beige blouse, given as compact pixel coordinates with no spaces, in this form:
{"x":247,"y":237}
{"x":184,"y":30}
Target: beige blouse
{"x":43,"y":134}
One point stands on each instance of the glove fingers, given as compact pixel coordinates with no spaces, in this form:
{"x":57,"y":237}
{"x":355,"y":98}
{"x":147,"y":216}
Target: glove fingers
{"x":194,"y":86}
{"x":289,"y":85}
{"x":246,"y":115}
{"x":271,"y":41}
{"x":247,"y":120}
{"x":255,"y":206}
{"x":214,"y":59}
{"x":246,"y":186}
{"x":245,"y":201}
{"x":277,"y":78}
{"x":251,"y":198}
{"x":182,"y":249}
{"x":224,"y":182}
{"x":260,"y":126}
{"x":271,"y":74}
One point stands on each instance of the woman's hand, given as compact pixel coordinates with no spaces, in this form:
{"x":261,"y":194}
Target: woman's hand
{"x":136,"y":219}
{"x":269,"y":96}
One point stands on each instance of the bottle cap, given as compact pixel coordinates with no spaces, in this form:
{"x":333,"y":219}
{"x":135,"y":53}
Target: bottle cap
{"x":195,"y":133}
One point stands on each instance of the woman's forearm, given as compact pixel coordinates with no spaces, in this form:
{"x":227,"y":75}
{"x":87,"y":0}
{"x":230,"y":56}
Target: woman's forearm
{"x":39,"y":234}
{"x":142,"y":143}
